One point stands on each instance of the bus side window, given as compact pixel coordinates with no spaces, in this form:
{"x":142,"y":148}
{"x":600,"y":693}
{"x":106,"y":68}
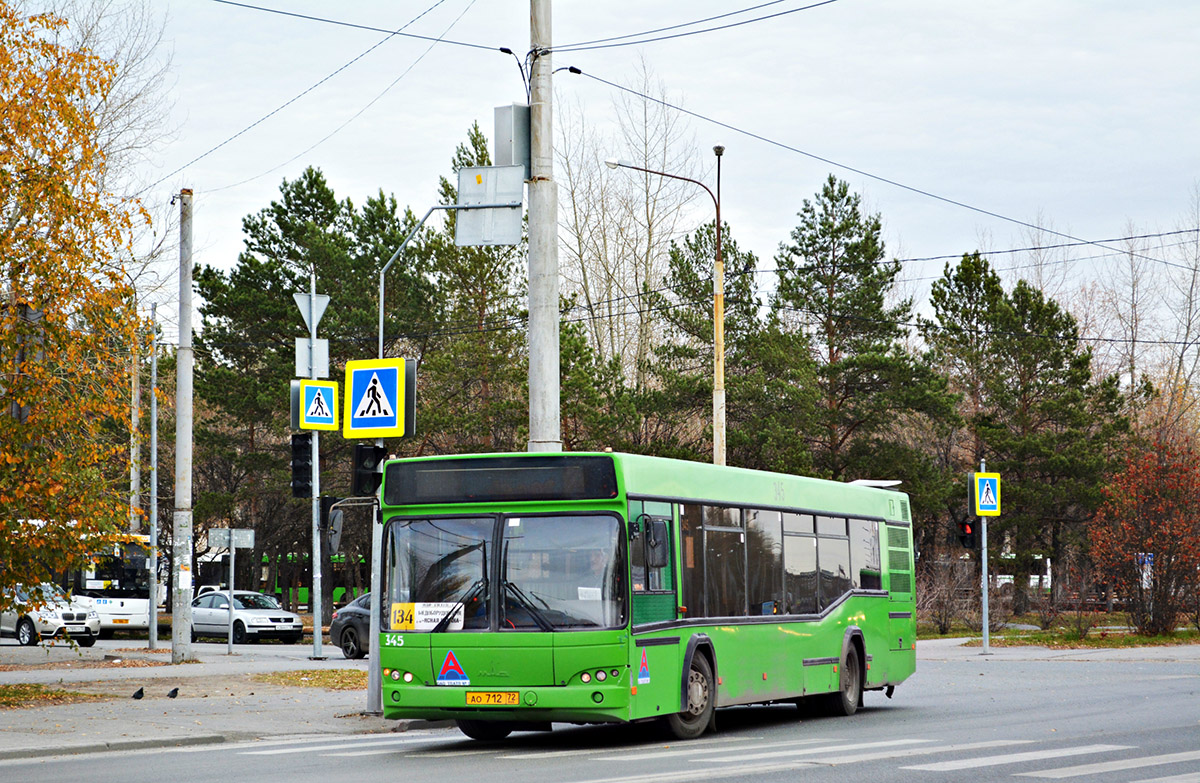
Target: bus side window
{"x":650,"y":546}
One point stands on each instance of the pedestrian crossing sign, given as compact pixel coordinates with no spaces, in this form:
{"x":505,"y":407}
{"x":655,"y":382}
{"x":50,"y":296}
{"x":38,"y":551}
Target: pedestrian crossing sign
{"x":318,"y":405}
{"x":986,"y":492}
{"x":375,"y":399}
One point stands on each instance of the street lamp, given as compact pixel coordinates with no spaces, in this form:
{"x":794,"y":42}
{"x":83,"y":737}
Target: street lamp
{"x":718,"y":302}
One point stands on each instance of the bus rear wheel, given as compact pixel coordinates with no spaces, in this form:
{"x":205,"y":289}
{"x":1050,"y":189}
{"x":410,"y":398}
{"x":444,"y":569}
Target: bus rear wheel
{"x":701,"y":695}
{"x":845,"y":700}
{"x":484,"y":730}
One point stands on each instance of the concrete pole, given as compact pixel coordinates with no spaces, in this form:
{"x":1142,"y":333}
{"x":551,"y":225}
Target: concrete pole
{"x":545,"y":433}
{"x":232,"y":571}
{"x":315,"y":592}
{"x":152,"y":566}
{"x":719,"y":332}
{"x":135,"y":444}
{"x":181,"y":540}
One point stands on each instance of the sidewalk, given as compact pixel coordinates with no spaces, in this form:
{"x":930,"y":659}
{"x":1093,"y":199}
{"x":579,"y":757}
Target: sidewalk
{"x":218,"y":699}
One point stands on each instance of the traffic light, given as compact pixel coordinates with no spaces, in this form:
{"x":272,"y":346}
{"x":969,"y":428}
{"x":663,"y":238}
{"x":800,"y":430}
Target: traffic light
{"x":302,"y":465}
{"x":966,"y":534}
{"x":367,"y":476}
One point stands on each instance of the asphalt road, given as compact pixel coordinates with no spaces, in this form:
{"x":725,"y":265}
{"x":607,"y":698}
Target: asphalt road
{"x":962,"y":717}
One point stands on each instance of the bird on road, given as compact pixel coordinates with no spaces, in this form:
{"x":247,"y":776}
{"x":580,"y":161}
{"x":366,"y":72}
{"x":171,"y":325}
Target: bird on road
{"x":172,"y":693}
{"x":139,"y":693}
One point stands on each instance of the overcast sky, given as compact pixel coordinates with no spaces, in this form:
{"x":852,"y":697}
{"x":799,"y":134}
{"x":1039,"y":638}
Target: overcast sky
{"x":1082,"y":115}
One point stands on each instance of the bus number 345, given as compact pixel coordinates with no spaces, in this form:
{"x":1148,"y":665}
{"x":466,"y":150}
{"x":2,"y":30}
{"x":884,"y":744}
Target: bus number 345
{"x":393,"y":640}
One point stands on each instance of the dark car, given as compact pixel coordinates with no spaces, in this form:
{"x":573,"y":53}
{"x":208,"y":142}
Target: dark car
{"x":351,"y":627}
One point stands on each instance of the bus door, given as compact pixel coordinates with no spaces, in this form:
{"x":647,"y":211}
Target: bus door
{"x":655,"y":657}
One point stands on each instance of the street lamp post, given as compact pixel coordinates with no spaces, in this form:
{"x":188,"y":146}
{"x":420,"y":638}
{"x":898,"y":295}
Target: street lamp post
{"x":718,"y":302}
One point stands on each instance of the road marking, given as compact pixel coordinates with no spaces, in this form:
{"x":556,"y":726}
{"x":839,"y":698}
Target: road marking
{"x":411,"y":754}
{"x":810,"y":751}
{"x":926,"y":750}
{"x":1114,"y":766}
{"x":651,"y":752}
{"x":1016,"y":758}
{"x":296,"y":740}
{"x":1187,"y":777}
{"x":344,"y":745}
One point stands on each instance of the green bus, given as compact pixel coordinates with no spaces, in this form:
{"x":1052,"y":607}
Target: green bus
{"x":522,"y":589}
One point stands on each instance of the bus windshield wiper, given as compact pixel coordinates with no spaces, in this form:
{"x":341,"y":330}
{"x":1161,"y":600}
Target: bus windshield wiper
{"x":475,"y":589}
{"x":527,"y":604}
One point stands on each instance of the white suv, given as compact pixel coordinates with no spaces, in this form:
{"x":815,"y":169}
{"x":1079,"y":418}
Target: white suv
{"x":46,"y":611}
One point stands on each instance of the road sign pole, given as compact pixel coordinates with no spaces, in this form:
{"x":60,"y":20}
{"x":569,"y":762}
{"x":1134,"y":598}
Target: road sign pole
{"x":232,"y":572}
{"x":983,"y":559}
{"x":317,"y":562}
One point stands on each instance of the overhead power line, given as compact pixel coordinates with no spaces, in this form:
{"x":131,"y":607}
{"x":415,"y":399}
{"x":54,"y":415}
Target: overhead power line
{"x":389,"y":35}
{"x":360,"y":112}
{"x":623,"y":40}
{"x":861,"y":172}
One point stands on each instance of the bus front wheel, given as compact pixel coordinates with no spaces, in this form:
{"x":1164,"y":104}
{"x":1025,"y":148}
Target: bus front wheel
{"x":701,"y":694}
{"x":484,"y":730}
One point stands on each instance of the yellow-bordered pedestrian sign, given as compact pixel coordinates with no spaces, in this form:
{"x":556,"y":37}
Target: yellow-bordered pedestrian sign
{"x":375,"y":399}
{"x":986,"y":494}
{"x":318,"y":405}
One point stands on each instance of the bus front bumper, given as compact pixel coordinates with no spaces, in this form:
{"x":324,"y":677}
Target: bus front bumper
{"x":572,"y":704}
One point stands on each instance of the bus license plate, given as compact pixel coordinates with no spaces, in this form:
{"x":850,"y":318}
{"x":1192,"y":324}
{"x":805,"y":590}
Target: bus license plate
{"x":492,"y":698}
{"x":120,"y":621}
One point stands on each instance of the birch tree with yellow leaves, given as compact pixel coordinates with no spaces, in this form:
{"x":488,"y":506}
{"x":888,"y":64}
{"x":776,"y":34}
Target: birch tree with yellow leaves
{"x":67,"y":316}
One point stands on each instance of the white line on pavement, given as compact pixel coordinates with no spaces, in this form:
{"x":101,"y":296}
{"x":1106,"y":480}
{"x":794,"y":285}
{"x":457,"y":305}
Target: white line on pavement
{"x":1017,"y":758}
{"x":1113,"y":766}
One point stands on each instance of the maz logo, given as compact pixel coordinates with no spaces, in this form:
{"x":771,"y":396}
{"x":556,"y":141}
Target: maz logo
{"x":494,"y":673}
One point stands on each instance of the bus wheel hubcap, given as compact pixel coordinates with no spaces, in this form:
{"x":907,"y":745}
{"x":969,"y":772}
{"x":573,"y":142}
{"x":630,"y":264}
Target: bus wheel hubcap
{"x":697,"y":693}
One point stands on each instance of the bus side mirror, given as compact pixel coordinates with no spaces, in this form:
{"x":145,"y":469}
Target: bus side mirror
{"x":656,"y":543}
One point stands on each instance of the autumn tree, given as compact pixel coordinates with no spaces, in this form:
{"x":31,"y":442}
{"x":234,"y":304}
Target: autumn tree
{"x":1146,"y":536}
{"x":67,"y":320}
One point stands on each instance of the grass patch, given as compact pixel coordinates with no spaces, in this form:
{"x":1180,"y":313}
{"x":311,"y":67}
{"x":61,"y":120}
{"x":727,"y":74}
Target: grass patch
{"x":14,"y":697}
{"x":1097,"y":639}
{"x":330,"y":679}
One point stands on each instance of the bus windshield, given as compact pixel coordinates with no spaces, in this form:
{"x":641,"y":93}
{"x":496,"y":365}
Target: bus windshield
{"x":506,"y":573}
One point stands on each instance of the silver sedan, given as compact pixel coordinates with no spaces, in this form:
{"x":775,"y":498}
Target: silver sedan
{"x":255,"y":616}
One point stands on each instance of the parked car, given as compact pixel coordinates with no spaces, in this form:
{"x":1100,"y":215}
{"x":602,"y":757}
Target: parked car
{"x":351,"y":627}
{"x":46,"y":611}
{"x":255,"y":616}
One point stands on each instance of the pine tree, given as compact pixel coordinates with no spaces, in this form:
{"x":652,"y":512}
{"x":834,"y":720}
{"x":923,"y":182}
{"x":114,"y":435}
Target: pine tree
{"x":833,"y":287}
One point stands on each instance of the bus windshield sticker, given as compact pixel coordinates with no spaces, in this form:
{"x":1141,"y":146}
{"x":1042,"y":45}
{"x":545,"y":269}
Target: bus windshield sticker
{"x":591,"y":594}
{"x":452,"y":673}
{"x":644,"y":670}
{"x":425,"y":616}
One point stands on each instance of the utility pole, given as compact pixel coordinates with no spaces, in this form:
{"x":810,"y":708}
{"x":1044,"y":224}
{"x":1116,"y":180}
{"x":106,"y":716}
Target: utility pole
{"x":152,"y":562}
{"x":719,"y":332}
{"x":545,"y":426}
{"x":181,"y":539}
{"x":135,"y":444}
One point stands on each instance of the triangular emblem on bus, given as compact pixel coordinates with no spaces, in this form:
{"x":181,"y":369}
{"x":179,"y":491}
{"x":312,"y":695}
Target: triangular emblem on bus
{"x":452,"y":673}
{"x":644,"y":670}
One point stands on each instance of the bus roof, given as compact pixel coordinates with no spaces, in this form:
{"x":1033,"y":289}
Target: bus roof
{"x":644,"y":476}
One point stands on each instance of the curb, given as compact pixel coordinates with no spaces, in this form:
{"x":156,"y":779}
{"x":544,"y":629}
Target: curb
{"x":101,"y":747}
